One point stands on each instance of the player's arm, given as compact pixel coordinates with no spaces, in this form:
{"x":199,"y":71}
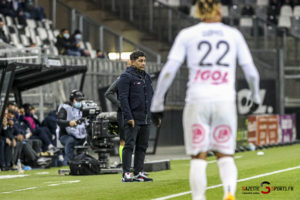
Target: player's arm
{"x":175,"y":59}
{"x":249,"y":69}
{"x":165,"y":79}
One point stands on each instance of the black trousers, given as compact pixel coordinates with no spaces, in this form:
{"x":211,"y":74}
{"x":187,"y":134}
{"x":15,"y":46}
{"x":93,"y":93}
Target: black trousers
{"x":135,"y":137}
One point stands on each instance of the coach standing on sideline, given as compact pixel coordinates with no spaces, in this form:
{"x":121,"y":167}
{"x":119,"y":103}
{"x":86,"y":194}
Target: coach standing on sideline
{"x":135,"y":94}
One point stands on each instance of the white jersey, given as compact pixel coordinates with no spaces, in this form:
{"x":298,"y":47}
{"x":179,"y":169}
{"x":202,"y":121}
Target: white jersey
{"x":211,"y":50}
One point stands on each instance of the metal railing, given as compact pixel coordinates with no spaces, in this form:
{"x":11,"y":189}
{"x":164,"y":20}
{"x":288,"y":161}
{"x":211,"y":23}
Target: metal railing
{"x":98,"y":35}
{"x":149,"y":15}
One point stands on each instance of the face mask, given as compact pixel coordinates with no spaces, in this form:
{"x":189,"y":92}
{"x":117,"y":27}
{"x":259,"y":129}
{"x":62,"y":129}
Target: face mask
{"x":77,"y":105}
{"x":78,"y":37}
{"x":66,"y":35}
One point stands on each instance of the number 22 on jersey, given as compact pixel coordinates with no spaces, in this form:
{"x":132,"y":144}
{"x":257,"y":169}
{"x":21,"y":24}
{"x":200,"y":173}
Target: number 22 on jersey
{"x":212,"y":75}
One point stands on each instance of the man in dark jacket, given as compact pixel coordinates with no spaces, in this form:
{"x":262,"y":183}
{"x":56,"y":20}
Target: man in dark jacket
{"x":51,"y":123}
{"x":135,"y":94}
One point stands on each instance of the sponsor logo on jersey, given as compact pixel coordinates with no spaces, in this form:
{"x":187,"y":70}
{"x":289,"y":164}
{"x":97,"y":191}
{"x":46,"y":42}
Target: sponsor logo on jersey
{"x":215,"y":77}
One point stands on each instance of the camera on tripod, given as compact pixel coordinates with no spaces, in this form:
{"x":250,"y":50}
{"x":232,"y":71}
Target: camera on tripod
{"x":101,"y":128}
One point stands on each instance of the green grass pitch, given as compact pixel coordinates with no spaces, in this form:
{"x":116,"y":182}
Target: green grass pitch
{"x":42,"y":186}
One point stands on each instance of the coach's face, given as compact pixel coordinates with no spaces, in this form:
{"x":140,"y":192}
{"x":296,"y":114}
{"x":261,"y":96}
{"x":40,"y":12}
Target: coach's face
{"x":140,"y":63}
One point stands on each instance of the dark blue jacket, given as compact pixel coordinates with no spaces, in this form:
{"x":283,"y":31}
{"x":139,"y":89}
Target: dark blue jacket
{"x":51,"y":122}
{"x":135,"y":95}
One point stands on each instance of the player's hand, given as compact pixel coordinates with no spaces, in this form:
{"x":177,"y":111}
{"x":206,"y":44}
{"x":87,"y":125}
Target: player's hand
{"x":157,"y":118}
{"x":73,"y":123}
{"x":131,"y":123}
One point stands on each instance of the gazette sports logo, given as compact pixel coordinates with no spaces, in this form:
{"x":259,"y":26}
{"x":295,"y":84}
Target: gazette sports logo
{"x":265,"y":187}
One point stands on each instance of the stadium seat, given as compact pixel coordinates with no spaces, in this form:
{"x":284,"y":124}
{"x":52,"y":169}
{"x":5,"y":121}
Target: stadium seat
{"x":225,"y":11}
{"x":174,"y":3}
{"x":193,"y":11}
{"x":246,"y":22}
{"x":9,"y":21}
{"x":15,"y":40}
{"x":284,"y":22}
{"x":296,"y":11}
{"x":54,"y":50}
{"x":262,"y":2}
{"x":261,"y":12}
{"x":31,"y":23}
{"x":5,"y":29}
{"x":38,"y":41}
{"x":51,"y":35}
{"x":42,"y":33}
{"x":27,"y":31}
{"x":286,"y":10}
{"x":295,"y":29}
{"x":25,"y":40}
{"x":56,"y":33}
{"x":88,"y":46}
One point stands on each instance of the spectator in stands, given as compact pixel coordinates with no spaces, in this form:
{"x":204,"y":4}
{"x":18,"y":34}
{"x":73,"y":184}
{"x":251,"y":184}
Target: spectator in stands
{"x":6,"y":8}
{"x":3,"y":37}
{"x":31,"y":146}
{"x":36,"y":13}
{"x":64,"y":45}
{"x":22,"y":18}
{"x":51,"y":123}
{"x":10,"y":148}
{"x":37,"y":131}
{"x":248,"y":10}
{"x":100,"y":54}
{"x":76,"y":40}
{"x":71,"y":133}
{"x":5,"y":144}
{"x":17,"y":134}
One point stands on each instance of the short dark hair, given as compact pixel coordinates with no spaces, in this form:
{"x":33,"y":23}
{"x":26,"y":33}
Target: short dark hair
{"x":63,"y":30}
{"x":11,"y":111}
{"x":77,"y":31}
{"x":136,"y":54}
{"x":11,"y":103}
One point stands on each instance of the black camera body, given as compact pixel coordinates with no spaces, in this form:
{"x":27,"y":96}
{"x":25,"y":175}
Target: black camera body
{"x":90,"y":109}
{"x":101,"y":128}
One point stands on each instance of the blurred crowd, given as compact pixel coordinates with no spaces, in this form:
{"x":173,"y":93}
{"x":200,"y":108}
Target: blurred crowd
{"x":24,"y":137}
{"x":22,"y":10}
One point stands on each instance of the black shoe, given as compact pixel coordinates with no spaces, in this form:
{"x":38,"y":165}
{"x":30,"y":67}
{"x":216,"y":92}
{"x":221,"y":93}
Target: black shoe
{"x":127,"y":177}
{"x":141,"y":177}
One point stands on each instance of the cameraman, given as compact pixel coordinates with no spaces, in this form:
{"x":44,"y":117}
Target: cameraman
{"x":71,"y":133}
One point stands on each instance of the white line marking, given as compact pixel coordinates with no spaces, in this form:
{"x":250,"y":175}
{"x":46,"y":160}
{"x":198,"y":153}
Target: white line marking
{"x":19,"y":190}
{"x":240,"y":180}
{"x":11,"y":176}
{"x":42,"y":173}
{"x":31,"y":188}
{"x":64,"y":182}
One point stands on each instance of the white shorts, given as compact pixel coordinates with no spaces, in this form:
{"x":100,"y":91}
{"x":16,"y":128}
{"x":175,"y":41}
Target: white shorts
{"x":210,"y":126}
